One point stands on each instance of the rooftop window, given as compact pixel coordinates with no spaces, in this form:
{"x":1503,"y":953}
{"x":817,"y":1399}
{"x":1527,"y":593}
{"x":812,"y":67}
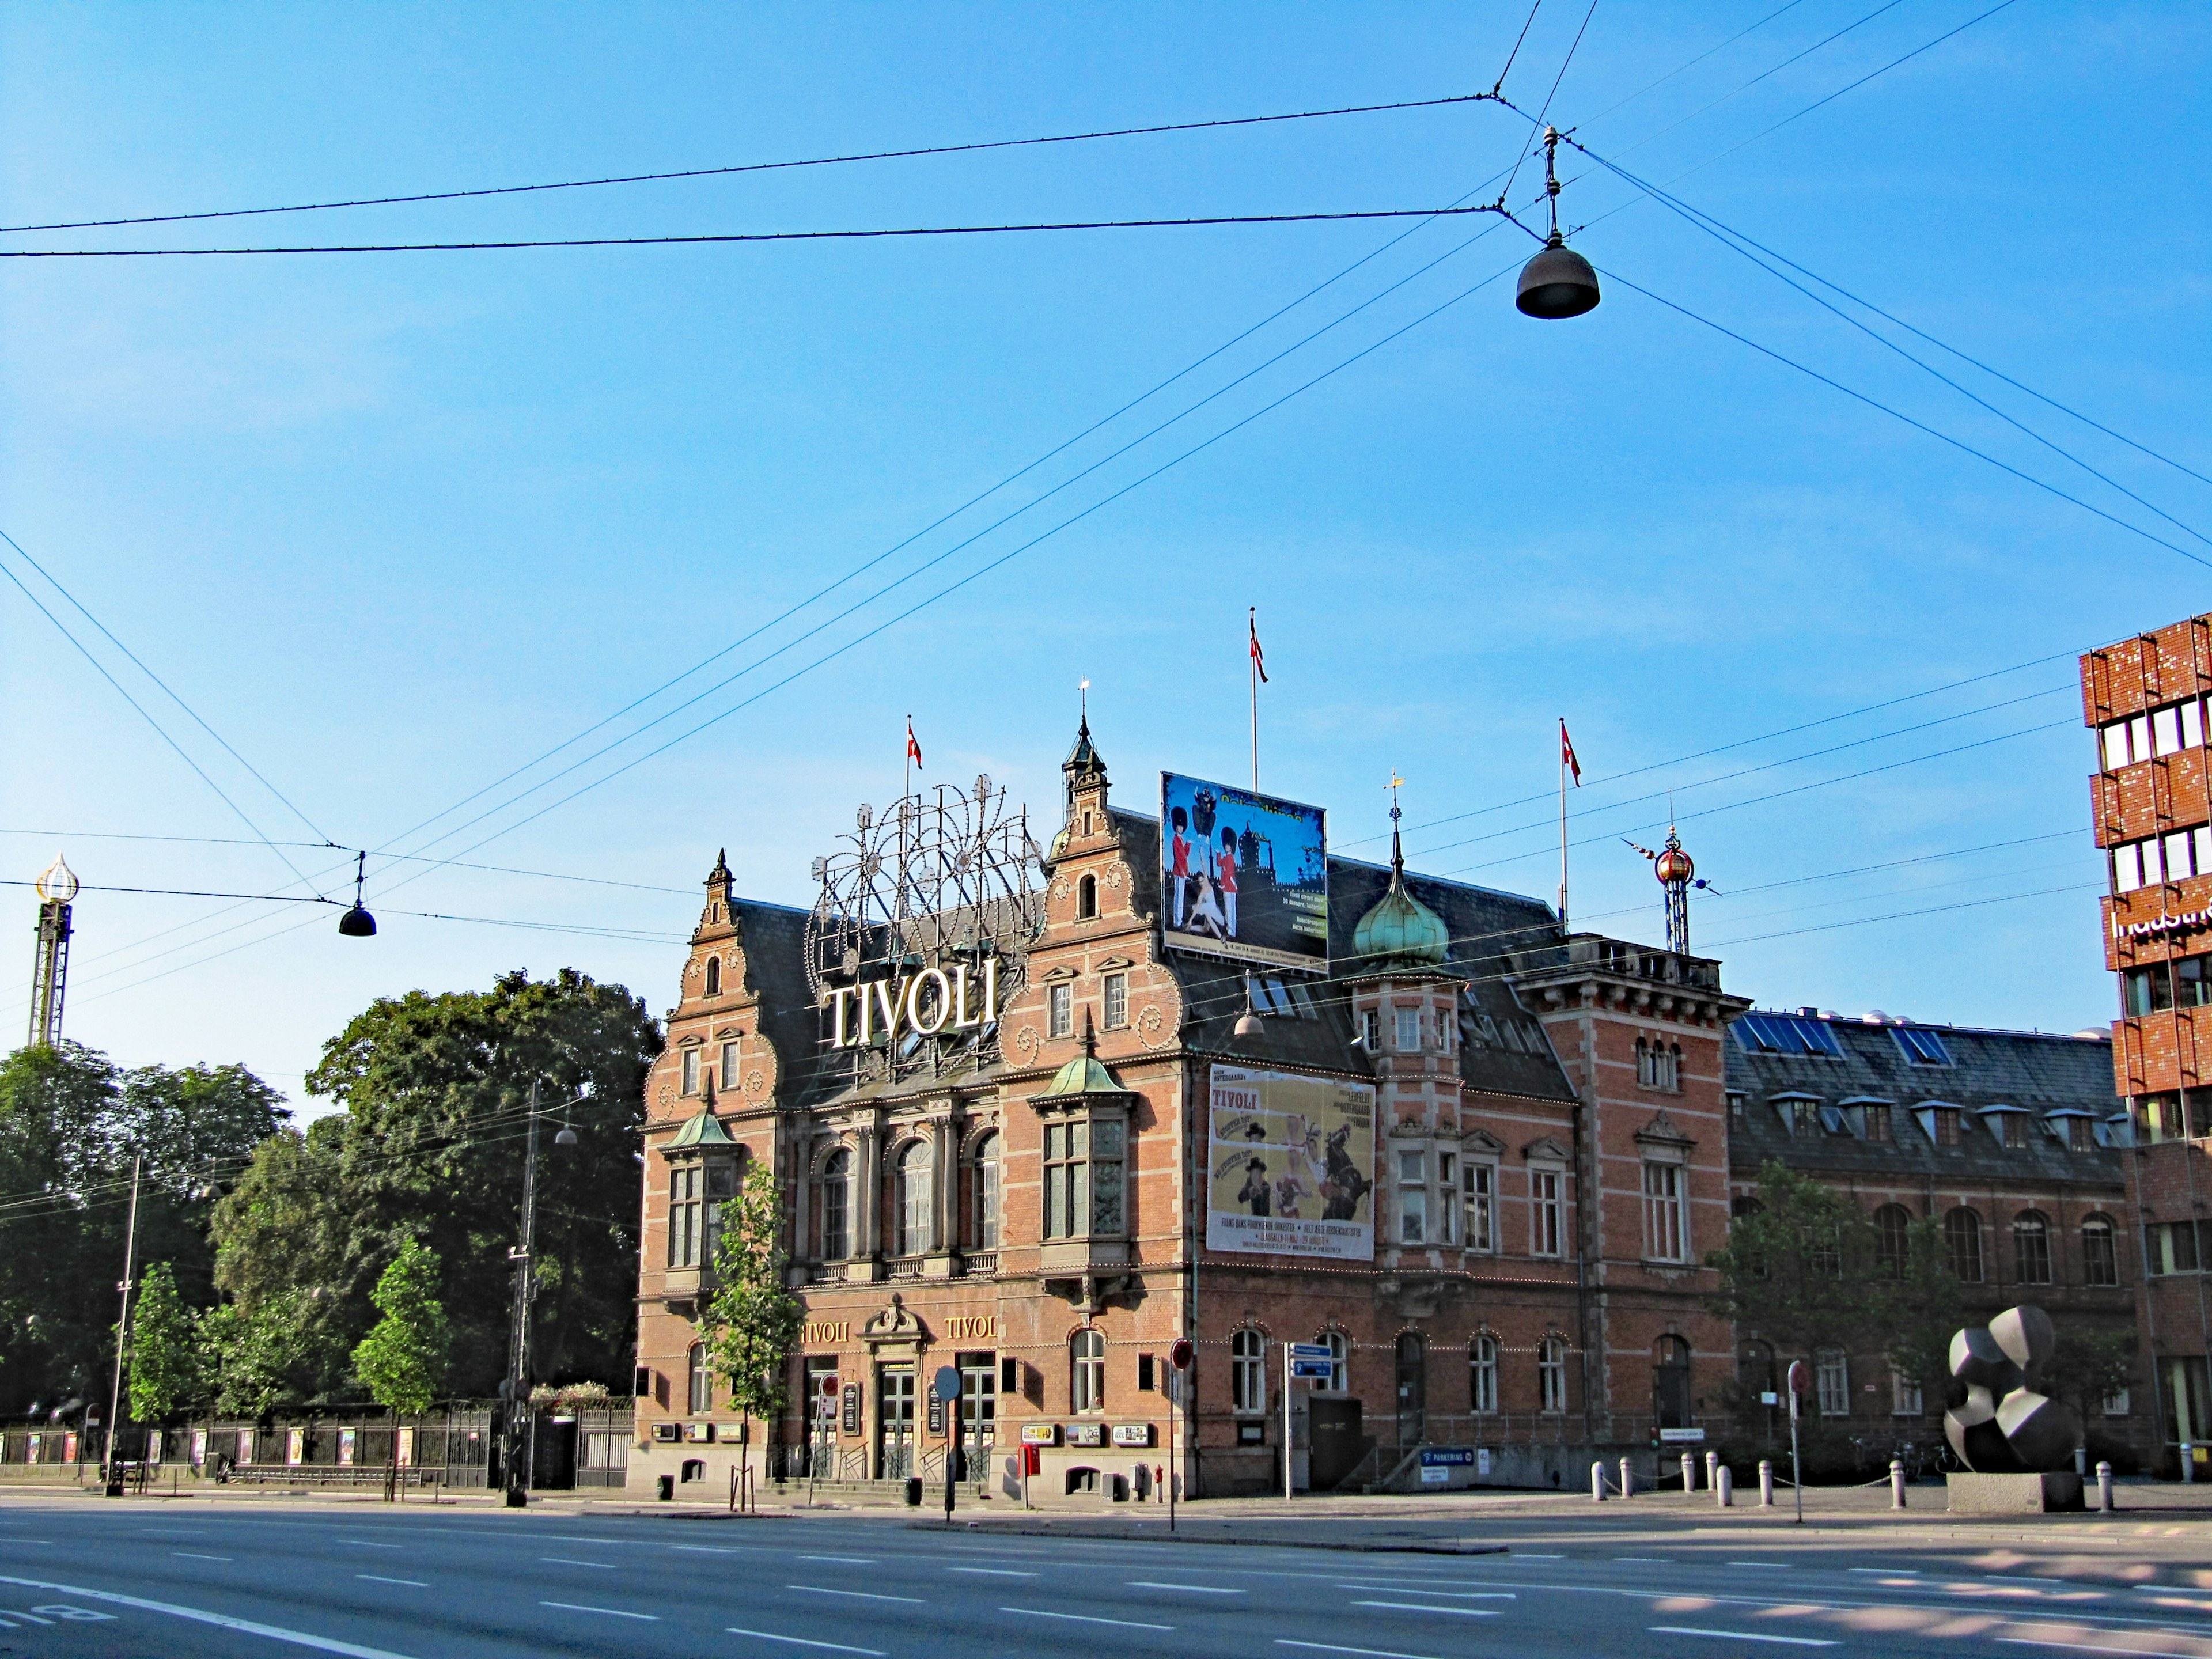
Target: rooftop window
{"x":1786,"y":1034}
{"x":1922,"y":1047}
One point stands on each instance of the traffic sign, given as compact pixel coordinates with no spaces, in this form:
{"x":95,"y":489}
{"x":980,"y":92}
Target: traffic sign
{"x":1312,"y":1360}
{"x":1310,"y":1350}
{"x":946,"y":1385}
{"x":1180,"y":1354}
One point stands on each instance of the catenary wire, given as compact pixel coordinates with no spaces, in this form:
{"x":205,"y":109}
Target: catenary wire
{"x":765,"y":167}
{"x":1536,"y":124}
{"x":1525,"y":24}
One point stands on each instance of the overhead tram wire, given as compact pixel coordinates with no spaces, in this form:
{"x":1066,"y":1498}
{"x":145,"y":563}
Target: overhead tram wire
{"x":1738,"y":244}
{"x":767,"y":167}
{"x":1013,"y":477}
{"x":145,"y":714}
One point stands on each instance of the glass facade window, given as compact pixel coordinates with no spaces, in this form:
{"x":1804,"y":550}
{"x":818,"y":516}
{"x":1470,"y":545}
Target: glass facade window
{"x":1114,"y":1001}
{"x":1247,"y":1372}
{"x":1482,"y":1367}
{"x":1545,"y":1222}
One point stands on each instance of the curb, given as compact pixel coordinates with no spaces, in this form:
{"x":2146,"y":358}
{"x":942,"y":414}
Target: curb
{"x":1016,"y":1530}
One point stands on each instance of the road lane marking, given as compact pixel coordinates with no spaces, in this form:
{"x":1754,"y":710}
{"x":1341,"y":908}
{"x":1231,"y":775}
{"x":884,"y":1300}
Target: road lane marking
{"x":712,"y":1549}
{"x":1427,"y":1589}
{"x":1758,"y":1563}
{"x":1085,"y":1619}
{"x":1743,"y":1636}
{"x":849,"y":1560}
{"x":994,"y":1572}
{"x":611,"y":1613}
{"x":379,"y":1578}
{"x":1331,"y":1647}
{"x":1196,"y":1589}
{"x":801,"y":1640}
{"x":1894,"y":1570}
{"x":1644,"y":1561}
{"x":1524,"y":1555}
{"x":863,"y":1596}
{"x":368,"y":1544}
{"x":1415,"y":1606}
{"x":193,"y":1555}
{"x":571,"y":1561}
{"x":2089,"y":1647}
{"x":2018,"y":1579}
{"x":223,"y":1620}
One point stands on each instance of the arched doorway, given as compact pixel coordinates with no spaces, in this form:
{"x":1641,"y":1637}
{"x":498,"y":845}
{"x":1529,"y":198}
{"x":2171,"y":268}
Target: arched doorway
{"x":1412,"y":1386}
{"x":1670,"y":1383}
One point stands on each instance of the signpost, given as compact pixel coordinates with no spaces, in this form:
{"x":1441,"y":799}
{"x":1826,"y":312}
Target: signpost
{"x":1311,"y":1360}
{"x":1179,"y":1358}
{"x":1796,"y":1473}
{"x":944,"y":1394}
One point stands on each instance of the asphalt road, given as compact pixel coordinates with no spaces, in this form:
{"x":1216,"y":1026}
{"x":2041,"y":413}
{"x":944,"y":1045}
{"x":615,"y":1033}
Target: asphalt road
{"x":82,"y":1576}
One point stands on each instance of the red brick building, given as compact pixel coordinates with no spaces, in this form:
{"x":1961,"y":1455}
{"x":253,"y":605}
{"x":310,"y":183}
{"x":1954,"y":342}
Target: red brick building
{"x":1009,"y":1174}
{"x":2151,"y":806}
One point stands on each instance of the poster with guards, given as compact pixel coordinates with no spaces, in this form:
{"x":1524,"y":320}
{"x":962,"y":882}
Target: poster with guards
{"x":1242,"y":875}
{"x":1289,"y":1165}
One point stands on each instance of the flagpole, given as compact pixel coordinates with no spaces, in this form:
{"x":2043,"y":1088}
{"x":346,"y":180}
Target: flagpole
{"x":1255,"y":621}
{"x":1562,"y":827}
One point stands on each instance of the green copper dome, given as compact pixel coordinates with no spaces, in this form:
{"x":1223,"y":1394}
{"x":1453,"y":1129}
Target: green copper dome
{"x":1400,"y":932}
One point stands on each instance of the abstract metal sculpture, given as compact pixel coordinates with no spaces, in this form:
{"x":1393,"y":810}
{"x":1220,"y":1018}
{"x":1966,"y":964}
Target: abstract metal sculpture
{"x":1997,"y":1422}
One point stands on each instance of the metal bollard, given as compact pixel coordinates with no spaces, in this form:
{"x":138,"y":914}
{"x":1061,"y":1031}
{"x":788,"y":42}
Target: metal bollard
{"x":1597,"y":1481}
{"x":1724,"y":1487}
{"x":1712,"y":1470}
{"x":1766,"y":1483}
{"x":1627,"y":1478}
{"x":2105,"y":1487}
{"x":2188,"y":1463}
{"x":1897,"y":1483}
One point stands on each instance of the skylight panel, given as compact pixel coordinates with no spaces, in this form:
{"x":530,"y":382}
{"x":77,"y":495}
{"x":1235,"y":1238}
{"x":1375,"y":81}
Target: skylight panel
{"x":1922,"y":1047}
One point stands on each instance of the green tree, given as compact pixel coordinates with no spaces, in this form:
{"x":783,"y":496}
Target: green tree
{"x":273,"y":1352}
{"x":752,"y":1320}
{"x":403,"y":1359}
{"x":428,"y":1145}
{"x":164,"y":1356}
{"x":2088,"y":1368}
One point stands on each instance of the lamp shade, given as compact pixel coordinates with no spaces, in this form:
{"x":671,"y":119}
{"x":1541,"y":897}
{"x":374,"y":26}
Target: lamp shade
{"x":1558,"y":282}
{"x":357,"y":923}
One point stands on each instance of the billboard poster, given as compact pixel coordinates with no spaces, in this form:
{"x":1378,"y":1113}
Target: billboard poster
{"x":1289,"y":1165}
{"x":1243,"y":876}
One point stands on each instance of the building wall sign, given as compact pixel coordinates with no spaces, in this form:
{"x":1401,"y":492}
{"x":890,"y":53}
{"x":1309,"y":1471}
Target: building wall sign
{"x":1040,"y":1434}
{"x":1243,"y":876}
{"x":2188,"y":921}
{"x":1086,"y":1434}
{"x":851,"y":1424}
{"x":1290,"y":1165}
{"x":827,"y":1332}
{"x":934,"y":1000}
{"x":1133,"y":1434}
{"x":972,"y":1327}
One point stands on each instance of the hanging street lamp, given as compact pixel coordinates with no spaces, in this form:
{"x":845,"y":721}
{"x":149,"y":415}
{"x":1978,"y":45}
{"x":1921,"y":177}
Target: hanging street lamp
{"x":1559,"y":282}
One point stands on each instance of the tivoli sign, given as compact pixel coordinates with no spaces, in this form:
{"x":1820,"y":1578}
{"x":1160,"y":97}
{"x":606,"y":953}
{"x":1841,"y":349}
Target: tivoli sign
{"x":927,"y":1004}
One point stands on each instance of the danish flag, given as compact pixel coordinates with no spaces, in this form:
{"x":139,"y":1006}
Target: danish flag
{"x":1259,"y":662}
{"x":1567,"y":754}
{"x":914,"y":744}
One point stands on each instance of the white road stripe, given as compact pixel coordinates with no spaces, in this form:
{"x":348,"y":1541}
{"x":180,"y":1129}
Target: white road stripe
{"x":1524,"y":1555}
{"x":1758,"y":1563}
{"x":191,"y":1555}
{"x":571,"y":1561}
{"x":994,"y":1572}
{"x":379,"y":1578}
{"x":1196,"y":1589}
{"x":1331,"y":1647}
{"x":1085,"y":1619}
{"x":366,"y":1544}
{"x":2089,"y":1647}
{"x":611,"y":1613}
{"x":863,"y":1595}
{"x":849,"y":1560}
{"x":1428,"y":1589}
{"x":1415,"y":1606}
{"x":801,"y":1640}
{"x":223,"y":1620}
{"x":1743,"y":1636}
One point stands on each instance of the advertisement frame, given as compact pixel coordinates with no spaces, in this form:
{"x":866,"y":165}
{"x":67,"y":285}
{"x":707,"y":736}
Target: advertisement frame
{"x":1231,"y":797}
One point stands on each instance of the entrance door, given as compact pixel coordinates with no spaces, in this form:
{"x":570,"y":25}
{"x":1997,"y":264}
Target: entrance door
{"x":1413,"y":1386}
{"x":894,"y":1453}
{"x":822,"y":1418}
{"x":1670,"y":1383}
{"x":979,"y":1411}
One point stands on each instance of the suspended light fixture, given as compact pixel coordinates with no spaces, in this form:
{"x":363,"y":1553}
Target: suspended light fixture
{"x":357,"y":923}
{"x":1559,"y":282}
{"x":1251,"y":1026}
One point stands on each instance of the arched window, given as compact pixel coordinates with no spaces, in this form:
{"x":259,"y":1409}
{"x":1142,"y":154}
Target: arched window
{"x":1248,"y":1370}
{"x":1642,"y":1063}
{"x":1744,"y":1204}
{"x":2031,"y":1246}
{"x":713,"y":976}
{"x":910,"y":1199}
{"x":1086,"y":899}
{"x":1087,"y":1357}
{"x":983,"y":1221}
{"x":2100,"y":1260}
{"x":700,"y":1394}
{"x":1482,"y":1368}
{"x":835,"y":1208}
{"x":1551,"y":1373}
{"x":1893,"y":1224}
{"x":1339,"y":1360}
{"x":1962,"y":1234}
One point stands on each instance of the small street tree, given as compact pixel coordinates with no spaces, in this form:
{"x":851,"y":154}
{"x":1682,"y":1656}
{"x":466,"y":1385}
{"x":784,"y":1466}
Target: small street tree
{"x":403,"y":1359}
{"x":164,"y":1356}
{"x":752,"y":1321}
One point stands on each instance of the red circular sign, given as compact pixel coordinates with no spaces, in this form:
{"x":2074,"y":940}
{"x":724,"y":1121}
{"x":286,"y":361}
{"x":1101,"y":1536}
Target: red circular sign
{"x":1181,"y":1355}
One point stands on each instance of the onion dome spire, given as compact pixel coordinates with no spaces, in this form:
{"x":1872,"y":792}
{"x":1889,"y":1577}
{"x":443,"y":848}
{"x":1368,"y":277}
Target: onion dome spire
{"x":1400,"y":932}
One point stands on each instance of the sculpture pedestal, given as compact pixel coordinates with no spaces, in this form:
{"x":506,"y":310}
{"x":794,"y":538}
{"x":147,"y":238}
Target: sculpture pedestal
{"x":2013,"y":1494}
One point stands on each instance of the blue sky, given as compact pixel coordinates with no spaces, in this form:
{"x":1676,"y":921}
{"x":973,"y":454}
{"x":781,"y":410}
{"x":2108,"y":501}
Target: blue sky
{"x":396,"y":525}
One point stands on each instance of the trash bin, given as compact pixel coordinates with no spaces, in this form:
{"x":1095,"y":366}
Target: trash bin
{"x":914,"y":1491}
{"x":668,"y":1487}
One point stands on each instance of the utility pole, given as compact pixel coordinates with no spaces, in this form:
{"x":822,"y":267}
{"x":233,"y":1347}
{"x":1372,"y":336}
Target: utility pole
{"x":112,"y":1477}
{"x":517,"y":1469}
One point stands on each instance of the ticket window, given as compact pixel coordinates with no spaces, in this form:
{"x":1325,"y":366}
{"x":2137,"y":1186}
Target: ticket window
{"x":978,"y":1400}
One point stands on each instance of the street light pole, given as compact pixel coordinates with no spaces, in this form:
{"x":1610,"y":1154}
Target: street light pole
{"x":111,"y":1478}
{"x":517,"y":1473}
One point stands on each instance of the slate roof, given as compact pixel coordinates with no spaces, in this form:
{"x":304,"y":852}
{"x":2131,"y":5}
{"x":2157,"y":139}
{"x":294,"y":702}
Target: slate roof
{"x":2040,"y":1073}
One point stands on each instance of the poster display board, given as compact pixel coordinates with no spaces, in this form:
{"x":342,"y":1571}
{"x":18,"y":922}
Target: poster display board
{"x":1243,"y":876}
{"x":1290,"y":1165}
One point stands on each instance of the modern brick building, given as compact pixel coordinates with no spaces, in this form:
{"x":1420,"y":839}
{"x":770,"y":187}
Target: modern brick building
{"x":1010,"y":1173}
{"x":2151,"y":807}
